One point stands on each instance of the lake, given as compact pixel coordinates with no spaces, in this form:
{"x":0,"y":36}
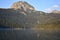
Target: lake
{"x":28,"y":34}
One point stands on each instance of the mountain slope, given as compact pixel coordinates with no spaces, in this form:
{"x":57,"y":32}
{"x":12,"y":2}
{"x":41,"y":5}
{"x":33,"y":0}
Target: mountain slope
{"x":18,"y":18}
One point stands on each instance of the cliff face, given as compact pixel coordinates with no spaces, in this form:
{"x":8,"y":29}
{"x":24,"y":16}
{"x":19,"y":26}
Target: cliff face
{"x":22,"y":15}
{"x":22,"y":6}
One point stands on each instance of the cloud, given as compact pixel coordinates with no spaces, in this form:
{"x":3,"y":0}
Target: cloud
{"x":55,"y":6}
{"x":49,"y":10}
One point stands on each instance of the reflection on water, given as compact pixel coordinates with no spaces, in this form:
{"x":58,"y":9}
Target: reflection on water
{"x":28,"y":34}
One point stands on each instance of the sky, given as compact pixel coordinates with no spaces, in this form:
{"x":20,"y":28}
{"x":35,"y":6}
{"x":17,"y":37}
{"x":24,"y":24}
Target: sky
{"x":40,"y":5}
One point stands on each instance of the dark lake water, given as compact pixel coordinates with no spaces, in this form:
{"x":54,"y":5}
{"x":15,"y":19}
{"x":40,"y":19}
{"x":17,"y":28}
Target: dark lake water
{"x":29,"y":34}
{"x":2,"y":26}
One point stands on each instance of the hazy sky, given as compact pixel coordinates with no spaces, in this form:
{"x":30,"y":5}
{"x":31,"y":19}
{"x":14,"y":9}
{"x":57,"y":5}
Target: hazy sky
{"x":45,"y":5}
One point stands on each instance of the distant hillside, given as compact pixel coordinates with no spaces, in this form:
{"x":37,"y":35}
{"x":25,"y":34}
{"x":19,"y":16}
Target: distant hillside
{"x":24,"y":17}
{"x":56,"y":11}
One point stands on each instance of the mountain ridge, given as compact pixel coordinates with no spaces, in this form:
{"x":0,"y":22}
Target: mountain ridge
{"x":18,"y":18}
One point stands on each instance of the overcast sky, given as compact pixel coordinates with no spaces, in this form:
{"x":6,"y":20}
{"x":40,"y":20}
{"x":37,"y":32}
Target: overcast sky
{"x":41,"y":5}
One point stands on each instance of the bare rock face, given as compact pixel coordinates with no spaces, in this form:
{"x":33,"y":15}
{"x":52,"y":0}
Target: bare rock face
{"x":56,"y":12}
{"x":22,"y":6}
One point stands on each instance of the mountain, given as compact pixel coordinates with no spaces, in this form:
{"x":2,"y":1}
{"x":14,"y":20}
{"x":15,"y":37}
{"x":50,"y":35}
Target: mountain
{"x":56,"y":11}
{"x":22,"y":6}
{"x":23,"y":15}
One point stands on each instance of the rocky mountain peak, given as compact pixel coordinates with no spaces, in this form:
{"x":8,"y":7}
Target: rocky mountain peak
{"x":22,"y":6}
{"x":56,"y":11}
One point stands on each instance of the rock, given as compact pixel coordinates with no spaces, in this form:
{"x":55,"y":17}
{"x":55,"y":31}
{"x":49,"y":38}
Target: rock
{"x":24,"y":6}
{"x":56,"y":11}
